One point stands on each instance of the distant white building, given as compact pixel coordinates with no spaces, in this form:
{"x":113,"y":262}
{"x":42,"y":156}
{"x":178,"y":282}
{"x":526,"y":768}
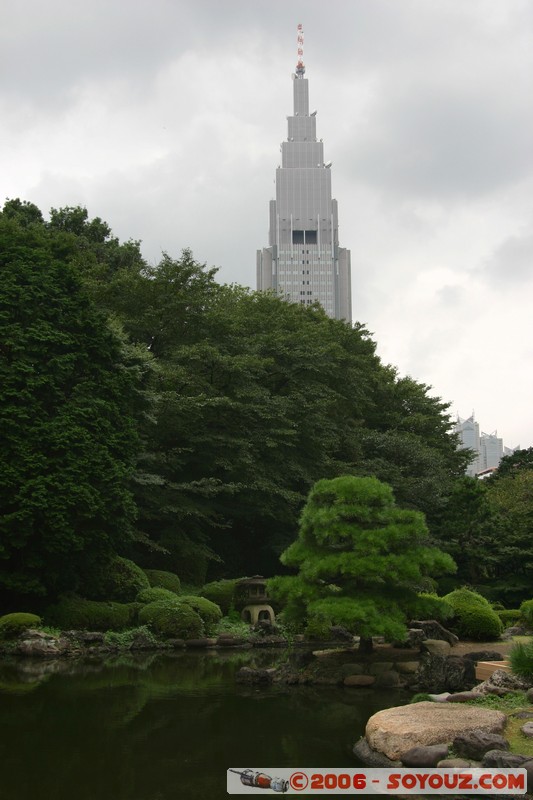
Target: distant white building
{"x":488,"y":447}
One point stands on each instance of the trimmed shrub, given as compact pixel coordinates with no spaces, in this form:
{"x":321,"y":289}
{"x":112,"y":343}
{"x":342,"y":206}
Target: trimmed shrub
{"x":173,"y":620}
{"x":154,"y":595}
{"x":479,"y":623}
{"x":72,"y":612}
{"x":222,"y":593}
{"x":521,"y":658}
{"x":433,"y":607}
{"x":526,"y":612}
{"x":11,"y":625}
{"x":209,"y":612}
{"x":122,"y":581}
{"x":510,"y":616}
{"x":160,"y":579}
{"x":462,"y":598}
{"x":318,"y":628}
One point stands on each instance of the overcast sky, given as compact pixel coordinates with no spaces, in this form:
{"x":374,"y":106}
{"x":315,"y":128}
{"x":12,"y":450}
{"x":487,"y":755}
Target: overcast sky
{"x":164,"y":117}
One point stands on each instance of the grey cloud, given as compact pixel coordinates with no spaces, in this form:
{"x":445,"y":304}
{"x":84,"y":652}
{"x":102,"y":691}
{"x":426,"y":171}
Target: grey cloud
{"x":511,"y":262}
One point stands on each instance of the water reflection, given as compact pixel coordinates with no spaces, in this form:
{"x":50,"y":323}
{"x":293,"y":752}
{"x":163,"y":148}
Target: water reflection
{"x":156,"y":727}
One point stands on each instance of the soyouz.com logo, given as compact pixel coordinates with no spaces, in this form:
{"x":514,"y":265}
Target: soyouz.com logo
{"x":241,"y":780}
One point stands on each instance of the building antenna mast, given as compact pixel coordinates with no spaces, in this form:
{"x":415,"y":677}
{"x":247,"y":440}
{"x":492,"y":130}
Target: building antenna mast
{"x":300,"y":66}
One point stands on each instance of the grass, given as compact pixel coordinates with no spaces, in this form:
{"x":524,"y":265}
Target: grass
{"x":510,"y":703}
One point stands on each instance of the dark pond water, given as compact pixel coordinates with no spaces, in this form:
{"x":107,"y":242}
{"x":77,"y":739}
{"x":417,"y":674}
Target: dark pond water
{"x":162,"y":727}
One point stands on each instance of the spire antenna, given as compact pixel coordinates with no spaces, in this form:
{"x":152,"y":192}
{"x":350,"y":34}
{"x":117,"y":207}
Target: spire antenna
{"x":300,"y":66}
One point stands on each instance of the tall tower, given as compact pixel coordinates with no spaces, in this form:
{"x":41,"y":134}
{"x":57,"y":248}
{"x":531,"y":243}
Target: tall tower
{"x":303,"y":260}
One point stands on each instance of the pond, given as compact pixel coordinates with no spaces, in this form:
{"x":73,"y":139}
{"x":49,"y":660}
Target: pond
{"x":162,"y":726}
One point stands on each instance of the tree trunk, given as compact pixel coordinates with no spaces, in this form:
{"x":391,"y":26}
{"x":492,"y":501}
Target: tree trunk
{"x":366,"y":645}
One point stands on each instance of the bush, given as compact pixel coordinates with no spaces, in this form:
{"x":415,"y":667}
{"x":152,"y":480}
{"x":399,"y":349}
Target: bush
{"x":122,"y":581}
{"x":155,"y":594}
{"x":209,"y":612}
{"x":11,"y":625}
{"x":318,"y":628}
{"x":72,"y":612}
{"x":160,"y":579}
{"x":462,"y":598}
{"x":125,"y":639}
{"x":510,"y":616}
{"x":174,"y":620}
{"x":479,"y":623}
{"x":221,"y":592}
{"x":521,"y":658}
{"x":433,"y":607}
{"x":526,"y":612}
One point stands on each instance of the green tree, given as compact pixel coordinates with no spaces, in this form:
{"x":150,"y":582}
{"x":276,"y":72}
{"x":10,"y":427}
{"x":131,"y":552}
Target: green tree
{"x":68,"y":402}
{"x":361,"y":560}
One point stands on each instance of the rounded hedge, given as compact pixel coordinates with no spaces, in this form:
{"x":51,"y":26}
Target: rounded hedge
{"x":72,"y":612}
{"x":465,"y":598}
{"x":174,"y":620}
{"x":433,"y":607}
{"x":510,"y":616}
{"x":526,"y":612}
{"x":154,"y":595}
{"x":479,"y":623}
{"x":11,"y":625}
{"x":209,"y":612}
{"x":221,"y":592}
{"x":122,"y":581}
{"x":160,"y":579}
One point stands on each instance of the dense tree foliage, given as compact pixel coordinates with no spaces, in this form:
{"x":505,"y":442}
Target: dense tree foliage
{"x":240,"y":402}
{"x":361,"y":560}
{"x":67,"y":397}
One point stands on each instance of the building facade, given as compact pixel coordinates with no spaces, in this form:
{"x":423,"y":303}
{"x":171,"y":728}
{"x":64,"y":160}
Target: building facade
{"x":488,"y":447}
{"x":303,"y":261}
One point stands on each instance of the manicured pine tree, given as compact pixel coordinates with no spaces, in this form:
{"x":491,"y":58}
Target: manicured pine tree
{"x":361,"y":560}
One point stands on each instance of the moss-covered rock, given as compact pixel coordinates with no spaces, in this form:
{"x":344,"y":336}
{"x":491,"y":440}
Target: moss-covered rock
{"x":160,"y":579}
{"x":72,"y":612}
{"x":153,"y":595}
{"x":209,"y":612}
{"x":172,"y":620}
{"x":11,"y":625}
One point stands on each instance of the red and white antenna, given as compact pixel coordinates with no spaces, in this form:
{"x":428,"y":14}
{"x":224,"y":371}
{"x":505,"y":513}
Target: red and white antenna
{"x":300,"y":66}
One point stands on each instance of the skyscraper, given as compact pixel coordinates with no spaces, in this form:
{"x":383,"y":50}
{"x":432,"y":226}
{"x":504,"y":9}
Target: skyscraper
{"x":303,"y":260}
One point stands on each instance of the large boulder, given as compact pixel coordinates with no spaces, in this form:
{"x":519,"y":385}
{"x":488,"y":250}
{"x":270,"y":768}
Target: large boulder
{"x":437,"y":647}
{"x":425,"y":755}
{"x":434,"y":630}
{"x":372,"y":758}
{"x":440,"y":673}
{"x":41,"y":645}
{"x":502,"y":758}
{"x":503,"y":681}
{"x":395,"y":731}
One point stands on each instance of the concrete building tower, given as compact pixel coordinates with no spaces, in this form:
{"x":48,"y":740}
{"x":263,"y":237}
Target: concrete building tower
{"x":303,"y":260}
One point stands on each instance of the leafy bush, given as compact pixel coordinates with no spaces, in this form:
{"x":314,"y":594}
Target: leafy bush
{"x":155,"y":594}
{"x":521,"y":658}
{"x":209,"y":612}
{"x":237,"y":627}
{"x":160,"y":579}
{"x":125,"y":639}
{"x":479,"y":623}
{"x":221,"y":592}
{"x":510,"y":616}
{"x":463,"y":598}
{"x":526,"y":612}
{"x":11,"y":625}
{"x":318,"y":627}
{"x":173,"y":620}
{"x":122,"y":581}
{"x":92,"y":615}
{"x":433,"y":607}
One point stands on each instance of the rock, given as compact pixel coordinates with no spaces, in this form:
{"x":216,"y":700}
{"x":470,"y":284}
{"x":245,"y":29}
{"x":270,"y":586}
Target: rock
{"x":406,"y":667}
{"x":527,"y":729}
{"x":484,"y":655}
{"x":249,"y":675}
{"x":230,"y":641}
{"x":351,"y":669}
{"x":501,"y":680}
{"x":474,"y":744}
{"x":522,"y":715}
{"x":38,"y":644}
{"x":434,"y":630}
{"x":502,"y":758}
{"x":394,"y":731}
{"x":439,"y":698}
{"x":529,"y":695}
{"x":176,"y":643}
{"x":340,"y":634}
{"x":528,"y":766}
{"x":459,"y":673}
{"x":379,"y":667}
{"x":415,"y":637}
{"x":436,"y":647}
{"x":359,"y":680}
{"x":387,"y":680}
{"x":514,"y":630}
{"x":454,"y":763}
{"x":425,"y":756}
{"x":371,"y":758}
{"x":462,"y":697}
{"x":205,"y":642}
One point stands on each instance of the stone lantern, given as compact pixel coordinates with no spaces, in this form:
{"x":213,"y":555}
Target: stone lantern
{"x":257,"y":606}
